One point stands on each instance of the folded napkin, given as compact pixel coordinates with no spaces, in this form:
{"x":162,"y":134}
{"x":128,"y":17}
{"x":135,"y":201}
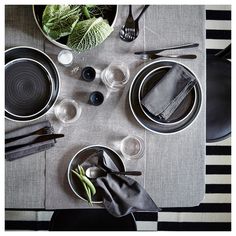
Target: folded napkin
{"x":27,"y":149}
{"x":166,"y":96}
{"x":121,"y":194}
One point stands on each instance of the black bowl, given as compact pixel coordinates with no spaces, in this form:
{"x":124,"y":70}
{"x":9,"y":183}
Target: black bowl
{"x":79,"y":158}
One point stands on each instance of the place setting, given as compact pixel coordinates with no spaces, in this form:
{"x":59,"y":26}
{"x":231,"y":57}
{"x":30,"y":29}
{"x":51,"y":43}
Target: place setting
{"x":165,"y":97}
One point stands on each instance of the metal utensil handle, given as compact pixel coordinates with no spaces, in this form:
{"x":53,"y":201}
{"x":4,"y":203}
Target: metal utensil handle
{"x":185,"y":56}
{"x":144,"y":9}
{"x":9,"y":140}
{"x":127,"y":172}
{"x":190,"y":45}
{"x":130,"y":10}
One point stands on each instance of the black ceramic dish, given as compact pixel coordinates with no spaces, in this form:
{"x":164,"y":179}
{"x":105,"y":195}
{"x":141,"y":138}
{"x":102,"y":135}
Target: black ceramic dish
{"x":79,"y":158}
{"x":218,"y":109}
{"x":140,"y":115}
{"x":35,"y":54}
{"x":28,"y":87}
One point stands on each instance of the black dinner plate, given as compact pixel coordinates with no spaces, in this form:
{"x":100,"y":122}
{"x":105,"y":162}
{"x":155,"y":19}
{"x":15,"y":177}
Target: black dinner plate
{"x":28,"y":87}
{"x":79,"y":159}
{"x":140,"y":115}
{"x":151,"y":80}
{"x":39,"y":56}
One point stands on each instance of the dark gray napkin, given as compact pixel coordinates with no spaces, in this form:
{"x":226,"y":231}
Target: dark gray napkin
{"x":121,"y":194}
{"x":165,"y":97}
{"x":28,"y":149}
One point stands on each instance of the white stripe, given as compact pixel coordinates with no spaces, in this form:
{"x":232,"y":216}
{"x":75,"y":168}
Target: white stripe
{"x":21,"y":215}
{"x":193,"y":217}
{"x":219,"y":7}
{"x":218,"y":24}
{"x":44,"y":215}
{"x":217,"y":198}
{"x":218,"y":160}
{"x":217,"y":43}
{"x":225,"y":142}
{"x":218,"y":179}
{"x":146,"y":225}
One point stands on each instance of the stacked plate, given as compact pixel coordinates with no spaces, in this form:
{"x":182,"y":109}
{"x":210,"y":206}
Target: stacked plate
{"x":182,"y":117}
{"x":31,"y":83}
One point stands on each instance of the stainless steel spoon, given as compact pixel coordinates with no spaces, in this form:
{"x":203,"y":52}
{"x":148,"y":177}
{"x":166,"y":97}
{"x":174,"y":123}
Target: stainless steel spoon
{"x":94,"y":172}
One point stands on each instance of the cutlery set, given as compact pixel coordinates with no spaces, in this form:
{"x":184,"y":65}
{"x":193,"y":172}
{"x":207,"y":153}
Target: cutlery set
{"x":41,"y":135}
{"x":130,"y":32}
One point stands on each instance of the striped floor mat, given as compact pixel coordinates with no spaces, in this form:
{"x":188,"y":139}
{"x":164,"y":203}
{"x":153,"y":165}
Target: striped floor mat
{"x":214,"y":213}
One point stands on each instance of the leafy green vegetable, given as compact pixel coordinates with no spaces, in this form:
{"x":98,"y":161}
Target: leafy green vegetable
{"x":88,"y":34}
{"x":59,"y":20}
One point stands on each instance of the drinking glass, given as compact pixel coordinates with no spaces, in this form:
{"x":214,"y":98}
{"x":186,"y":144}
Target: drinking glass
{"x":67,"y":111}
{"x":132,"y":147}
{"x":115,"y":76}
{"x":65,"y":57}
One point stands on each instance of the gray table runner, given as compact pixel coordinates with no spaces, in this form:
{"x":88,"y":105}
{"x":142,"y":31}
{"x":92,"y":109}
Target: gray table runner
{"x":173,"y":165}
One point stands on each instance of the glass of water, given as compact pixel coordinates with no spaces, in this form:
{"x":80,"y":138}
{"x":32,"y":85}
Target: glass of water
{"x":115,"y":76}
{"x":67,"y":111}
{"x":132,"y":147}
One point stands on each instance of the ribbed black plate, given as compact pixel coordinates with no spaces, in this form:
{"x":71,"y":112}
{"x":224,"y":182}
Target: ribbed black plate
{"x":28,"y":87}
{"x":35,"y":54}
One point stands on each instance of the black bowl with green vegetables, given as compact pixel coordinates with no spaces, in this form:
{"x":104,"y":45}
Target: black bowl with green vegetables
{"x":76,"y":27}
{"x":77,"y":179}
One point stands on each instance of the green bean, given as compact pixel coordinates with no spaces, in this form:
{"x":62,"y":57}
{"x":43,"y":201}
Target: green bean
{"x":87,"y":189}
{"x":89,"y":184}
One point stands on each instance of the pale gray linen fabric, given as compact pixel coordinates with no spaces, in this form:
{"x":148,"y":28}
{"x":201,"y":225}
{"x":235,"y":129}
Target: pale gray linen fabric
{"x":174,"y":165}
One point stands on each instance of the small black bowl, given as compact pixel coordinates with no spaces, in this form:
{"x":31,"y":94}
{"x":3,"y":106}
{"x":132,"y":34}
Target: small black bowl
{"x":88,"y":73}
{"x":96,"y":98}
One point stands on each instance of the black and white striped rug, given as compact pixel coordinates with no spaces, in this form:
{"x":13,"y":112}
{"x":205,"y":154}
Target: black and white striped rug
{"x":214,"y":213}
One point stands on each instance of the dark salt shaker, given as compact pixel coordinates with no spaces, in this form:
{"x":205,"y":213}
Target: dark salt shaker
{"x":88,"y":73}
{"x":96,"y":98}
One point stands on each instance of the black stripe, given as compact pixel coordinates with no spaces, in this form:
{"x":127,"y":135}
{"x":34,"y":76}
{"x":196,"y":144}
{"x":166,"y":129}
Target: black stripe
{"x":190,"y":226}
{"x":218,"y":150}
{"x":218,"y":15}
{"x":204,"y":207}
{"x":213,"y":51}
{"x":218,"y":34}
{"x":145,"y":216}
{"x":218,"y":188}
{"x":26,"y":225}
{"x":218,"y":169}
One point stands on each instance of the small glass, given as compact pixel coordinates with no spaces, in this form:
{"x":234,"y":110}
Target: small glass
{"x":115,"y":76}
{"x":132,"y":147}
{"x":65,"y":57}
{"x":67,"y":111}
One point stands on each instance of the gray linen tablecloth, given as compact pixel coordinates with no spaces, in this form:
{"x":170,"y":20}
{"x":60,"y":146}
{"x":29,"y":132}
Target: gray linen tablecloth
{"x":173,"y":165}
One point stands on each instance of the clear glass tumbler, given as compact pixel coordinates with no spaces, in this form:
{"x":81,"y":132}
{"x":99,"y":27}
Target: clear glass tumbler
{"x":115,"y":76}
{"x":67,"y":111}
{"x":132,"y":147}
